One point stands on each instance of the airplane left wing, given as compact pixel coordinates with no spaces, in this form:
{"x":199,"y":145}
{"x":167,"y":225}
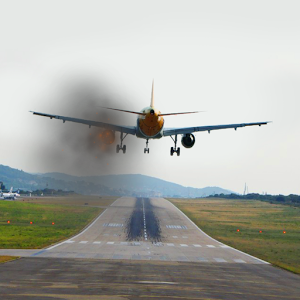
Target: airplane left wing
{"x":186,"y":130}
{"x":124,"y":129}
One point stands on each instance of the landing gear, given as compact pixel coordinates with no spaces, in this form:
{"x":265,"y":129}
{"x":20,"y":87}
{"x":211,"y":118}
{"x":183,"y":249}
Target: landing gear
{"x":175,"y":149}
{"x":121,"y":146}
{"x":146,"y":150}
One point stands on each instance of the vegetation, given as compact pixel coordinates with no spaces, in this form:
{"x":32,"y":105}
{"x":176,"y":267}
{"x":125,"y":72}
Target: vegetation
{"x":290,"y":199}
{"x":222,"y":218}
{"x":50,"y":222}
{"x":4,"y":258}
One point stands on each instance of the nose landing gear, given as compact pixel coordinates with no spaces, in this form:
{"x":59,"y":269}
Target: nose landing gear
{"x":146,"y":150}
{"x":121,"y":146}
{"x":175,"y":149}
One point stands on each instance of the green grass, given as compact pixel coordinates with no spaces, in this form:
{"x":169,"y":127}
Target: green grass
{"x":220,"y":218}
{"x":20,"y":234}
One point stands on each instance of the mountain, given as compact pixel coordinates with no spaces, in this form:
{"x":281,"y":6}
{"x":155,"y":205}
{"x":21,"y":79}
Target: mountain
{"x":129,"y":184}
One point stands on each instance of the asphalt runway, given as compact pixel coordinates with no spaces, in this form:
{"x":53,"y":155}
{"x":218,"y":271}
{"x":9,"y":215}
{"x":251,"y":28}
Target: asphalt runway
{"x":142,"y":229}
{"x":142,"y":248}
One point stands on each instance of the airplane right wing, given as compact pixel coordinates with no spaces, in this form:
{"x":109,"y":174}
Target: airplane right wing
{"x":124,"y":129}
{"x":186,"y":130}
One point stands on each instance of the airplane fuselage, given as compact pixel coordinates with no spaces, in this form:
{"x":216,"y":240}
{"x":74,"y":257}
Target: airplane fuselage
{"x":150,"y":125}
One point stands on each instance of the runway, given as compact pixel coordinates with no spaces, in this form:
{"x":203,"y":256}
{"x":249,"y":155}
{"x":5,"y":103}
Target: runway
{"x":142,"y":248}
{"x":143,"y":229}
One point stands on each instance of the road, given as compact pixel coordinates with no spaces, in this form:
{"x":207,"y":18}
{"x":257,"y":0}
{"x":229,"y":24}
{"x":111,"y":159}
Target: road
{"x":143,"y":248}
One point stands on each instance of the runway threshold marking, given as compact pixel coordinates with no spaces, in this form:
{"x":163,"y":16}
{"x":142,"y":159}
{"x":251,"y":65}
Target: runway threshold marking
{"x":220,"y":260}
{"x":157,"y":282}
{"x":239,"y":261}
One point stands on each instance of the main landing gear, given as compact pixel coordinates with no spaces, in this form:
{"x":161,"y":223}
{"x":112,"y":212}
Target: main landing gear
{"x":146,"y":150}
{"x":121,"y":146}
{"x":175,"y":149}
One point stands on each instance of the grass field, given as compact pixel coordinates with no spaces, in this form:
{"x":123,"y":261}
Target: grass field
{"x":221,"y":218}
{"x":69,"y":214}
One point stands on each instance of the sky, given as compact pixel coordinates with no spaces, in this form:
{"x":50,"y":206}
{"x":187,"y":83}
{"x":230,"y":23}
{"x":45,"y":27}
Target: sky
{"x":237,"y":61}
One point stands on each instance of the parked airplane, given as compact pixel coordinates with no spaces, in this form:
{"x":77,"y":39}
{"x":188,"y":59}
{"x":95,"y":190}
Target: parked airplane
{"x":10,"y":195}
{"x":150,"y":125}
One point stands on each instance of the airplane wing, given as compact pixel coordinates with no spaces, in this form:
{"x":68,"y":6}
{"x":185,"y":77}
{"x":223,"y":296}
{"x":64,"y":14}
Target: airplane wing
{"x":174,"y":131}
{"x":124,"y":129}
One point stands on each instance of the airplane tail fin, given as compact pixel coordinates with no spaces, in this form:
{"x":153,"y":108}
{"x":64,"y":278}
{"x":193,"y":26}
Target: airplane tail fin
{"x":152,"y":95}
{"x":11,"y":189}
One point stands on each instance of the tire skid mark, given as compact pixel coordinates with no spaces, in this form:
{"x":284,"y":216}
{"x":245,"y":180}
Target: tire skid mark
{"x":143,"y":223}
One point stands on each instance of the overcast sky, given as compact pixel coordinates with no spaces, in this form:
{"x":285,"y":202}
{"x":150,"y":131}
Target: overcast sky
{"x":238,"y":61}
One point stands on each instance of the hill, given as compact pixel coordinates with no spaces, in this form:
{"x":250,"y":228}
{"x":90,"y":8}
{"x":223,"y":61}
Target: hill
{"x":129,"y":184}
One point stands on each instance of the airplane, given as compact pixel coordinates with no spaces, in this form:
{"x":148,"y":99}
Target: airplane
{"x":150,"y":125}
{"x":10,"y":195}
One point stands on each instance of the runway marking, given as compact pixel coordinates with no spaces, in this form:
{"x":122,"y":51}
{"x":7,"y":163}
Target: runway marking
{"x":183,"y":245}
{"x":239,"y":261}
{"x":158,"y":244}
{"x":38,"y":253}
{"x":112,"y":225}
{"x":135,"y":243}
{"x":69,"y":242}
{"x":83,"y":242}
{"x":96,"y":242}
{"x":175,"y":236}
{"x":170,"y":244}
{"x":202,"y":259}
{"x":196,"y":245}
{"x":220,"y":260}
{"x":224,"y":246}
{"x":210,"y":246}
{"x":124,"y":243}
{"x":176,"y":227}
{"x":157,"y":282}
{"x":144,"y":216}
{"x":110,"y":243}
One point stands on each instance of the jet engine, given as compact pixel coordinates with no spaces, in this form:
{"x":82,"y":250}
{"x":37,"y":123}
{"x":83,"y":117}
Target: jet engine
{"x":188,"y":140}
{"x":107,"y":136}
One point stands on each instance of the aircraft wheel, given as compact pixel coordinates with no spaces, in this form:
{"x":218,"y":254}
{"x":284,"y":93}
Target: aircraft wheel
{"x":178,"y":151}
{"x":172,"y":151}
{"x":117,"y":149}
{"x":124,"y":149}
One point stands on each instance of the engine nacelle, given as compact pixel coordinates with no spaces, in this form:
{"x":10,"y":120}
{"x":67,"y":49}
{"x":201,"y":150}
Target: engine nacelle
{"x":107,"y":137}
{"x":188,"y":140}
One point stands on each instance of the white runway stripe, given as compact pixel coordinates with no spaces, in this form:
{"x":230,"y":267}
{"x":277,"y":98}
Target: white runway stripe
{"x":96,"y":242}
{"x":196,"y":245}
{"x":83,"y":242}
{"x":210,"y":246}
{"x":220,"y":260}
{"x":239,"y":261}
{"x":110,"y":243}
{"x":183,"y":245}
{"x":69,"y":242}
